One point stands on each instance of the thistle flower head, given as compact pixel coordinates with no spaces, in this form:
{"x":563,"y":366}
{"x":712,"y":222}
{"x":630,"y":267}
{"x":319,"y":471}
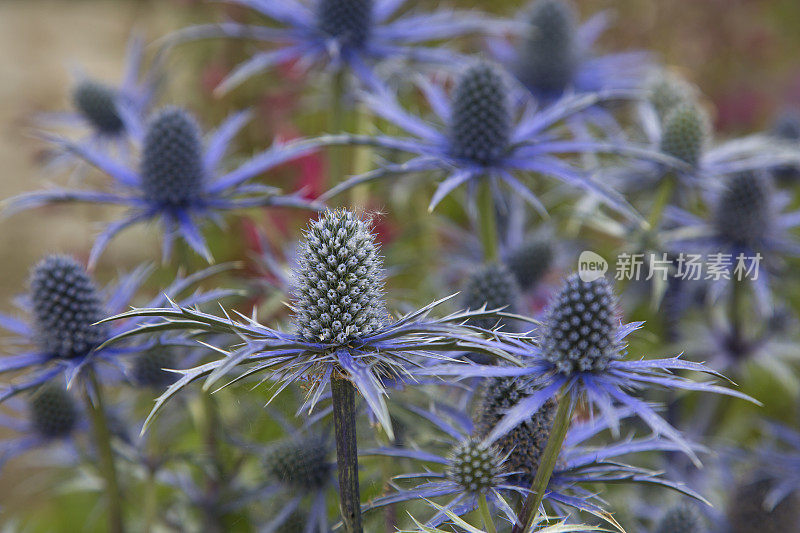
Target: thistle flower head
{"x":526,"y":442}
{"x":666,"y":91}
{"x":66,"y":305}
{"x":301,"y":463}
{"x":98,"y":104}
{"x":549,"y":55}
{"x":53,"y":412}
{"x":747,"y":511}
{"x":338,"y":283}
{"x":580,"y":328}
{"x":494,"y":286}
{"x":530,"y":261}
{"x":743,"y":215}
{"x":480,"y":123}
{"x":349,"y":21}
{"x":684,"y":133}
{"x":148,"y":368}
{"x":474,"y":465}
{"x":683,"y":518}
{"x":172,"y":166}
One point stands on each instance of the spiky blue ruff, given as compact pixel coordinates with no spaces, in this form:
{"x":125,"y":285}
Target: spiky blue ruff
{"x":682,"y":518}
{"x":548,"y":56}
{"x":580,"y":328}
{"x":98,"y":103}
{"x":480,"y":125}
{"x":302,"y":464}
{"x":474,"y":465}
{"x":492,"y":286}
{"x":178,"y":180}
{"x":66,"y":305}
{"x":530,"y":261}
{"x":53,"y":412}
{"x":470,"y":467}
{"x":338,"y":286}
{"x":172,"y":159}
{"x":578,"y":353}
{"x":356,"y":35}
{"x":685,"y":133}
{"x":150,"y":369}
{"x":525,"y":443}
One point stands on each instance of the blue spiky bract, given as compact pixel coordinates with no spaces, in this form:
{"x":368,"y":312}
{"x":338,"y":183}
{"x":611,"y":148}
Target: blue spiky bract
{"x":172,"y":166}
{"x":474,"y":465}
{"x":493,"y":286}
{"x":685,"y":133}
{"x":579,"y":332}
{"x":338,"y":285}
{"x":66,"y":305}
{"x":526,"y":442}
{"x":747,"y":511}
{"x":480,"y":124}
{"x":743,"y":214}
{"x":549,"y":55}
{"x":348,"y":21}
{"x":97,"y":102}
{"x":149,"y":368}
{"x":53,"y":413}
{"x":530,"y":261}
{"x":301,"y":463}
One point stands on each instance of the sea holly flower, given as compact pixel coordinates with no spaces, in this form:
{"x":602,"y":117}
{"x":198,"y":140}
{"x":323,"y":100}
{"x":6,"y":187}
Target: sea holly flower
{"x":336,"y":34}
{"x":555,"y":54}
{"x":64,"y":305}
{"x":748,"y":509}
{"x":50,"y":416}
{"x":342,"y":329}
{"x":484,"y":136}
{"x":114,"y":115}
{"x":748,"y":222}
{"x":179,"y":180}
{"x":786,"y":130}
{"x":504,"y":468}
{"x":682,"y":518}
{"x":491,"y":286}
{"x":579,"y":350}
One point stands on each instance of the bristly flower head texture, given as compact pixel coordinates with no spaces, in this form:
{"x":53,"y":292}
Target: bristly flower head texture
{"x":172,"y":159}
{"x":525,"y":443}
{"x":339,"y":281}
{"x":151,"y":368}
{"x":333,"y":34}
{"x":53,"y":412}
{"x":682,"y":518}
{"x":480,"y":126}
{"x":475,"y":466}
{"x":549,"y":55}
{"x":494,"y":287}
{"x":302,"y":464}
{"x":685,"y":133}
{"x":178,"y":180}
{"x":98,"y":103}
{"x":530,"y":261}
{"x":348,"y":21}
{"x":580,"y":332}
{"x":66,"y":305}
{"x":666,"y":90}
{"x":743,"y":213}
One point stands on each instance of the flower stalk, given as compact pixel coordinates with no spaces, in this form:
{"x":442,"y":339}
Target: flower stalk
{"x":483,"y":507}
{"x":108,"y":469}
{"x":546,"y":465}
{"x":344,"y":421}
{"x":487,"y":221}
